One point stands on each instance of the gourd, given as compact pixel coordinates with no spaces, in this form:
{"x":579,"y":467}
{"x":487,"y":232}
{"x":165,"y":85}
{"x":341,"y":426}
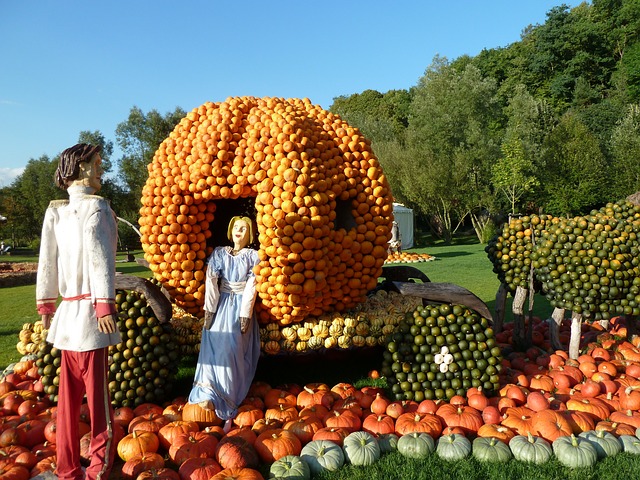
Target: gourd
{"x":291,"y":467}
{"x":605,"y":443}
{"x":630,"y":444}
{"x":530,"y":449}
{"x":574,"y":452}
{"x":388,"y":442}
{"x":322,"y":455}
{"x":416,"y":445}
{"x":453,"y":447}
{"x":490,"y":449}
{"x":361,"y":448}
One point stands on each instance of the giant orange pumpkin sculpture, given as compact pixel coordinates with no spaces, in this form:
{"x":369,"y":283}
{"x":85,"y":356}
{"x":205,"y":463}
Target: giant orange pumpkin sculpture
{"x":322,"y":204}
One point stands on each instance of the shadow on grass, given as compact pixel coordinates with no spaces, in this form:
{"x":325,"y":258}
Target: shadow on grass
{"x":452,"y":255}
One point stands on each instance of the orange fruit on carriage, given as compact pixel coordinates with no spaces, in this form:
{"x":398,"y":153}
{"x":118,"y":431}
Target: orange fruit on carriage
{"x":321,"y":202}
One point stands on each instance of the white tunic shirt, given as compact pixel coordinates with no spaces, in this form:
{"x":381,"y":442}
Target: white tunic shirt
{"x":77,"y":261}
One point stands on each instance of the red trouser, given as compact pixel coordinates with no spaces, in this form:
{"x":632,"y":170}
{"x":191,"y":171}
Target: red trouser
{"x":80,"y":373}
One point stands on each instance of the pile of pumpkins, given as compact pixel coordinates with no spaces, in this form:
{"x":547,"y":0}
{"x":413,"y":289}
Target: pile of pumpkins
{"x":587,"y":264}
{"x":579,"y":411}
{"x":142,"y":368}
{"x":321,"y":202}
{"x":408,"y":257}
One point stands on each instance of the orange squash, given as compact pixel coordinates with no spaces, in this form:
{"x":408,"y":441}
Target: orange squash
{"x":323,"y":204}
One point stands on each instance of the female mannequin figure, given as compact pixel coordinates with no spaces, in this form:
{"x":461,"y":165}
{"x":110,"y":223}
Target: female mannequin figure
{"x":230,"y":344}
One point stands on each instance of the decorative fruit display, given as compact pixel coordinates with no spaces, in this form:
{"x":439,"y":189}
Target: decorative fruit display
{"x":590,"y":265}
{"x":322,"y":204}
{"x":31,"y":336}
{"x":367,"y":325}
{"x":143,"y":366}
{"x":48,"y":363}
{"x":510,"y":250}
{"x":440,"y":351}
{"x":188,"y":329}
{"x":408,"y":257}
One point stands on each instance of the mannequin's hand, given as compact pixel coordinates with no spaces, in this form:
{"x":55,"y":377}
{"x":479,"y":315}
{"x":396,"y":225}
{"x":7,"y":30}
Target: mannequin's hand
{"x":244,"y":324}
{"x":46,"y":321}
{"x":208,"y":319}
{"x":107,"y":324}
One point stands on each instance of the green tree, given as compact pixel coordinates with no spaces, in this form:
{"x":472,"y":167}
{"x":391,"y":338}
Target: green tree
{"x":625,"y":147}
{"x":380,"y":117}
{"x":528,"y":121}
{"x":34,"y":189}
{"x":453,"y":140}
{"x":139,"y":137}
{"x":573,"y":169}
{"x":513,"y":172}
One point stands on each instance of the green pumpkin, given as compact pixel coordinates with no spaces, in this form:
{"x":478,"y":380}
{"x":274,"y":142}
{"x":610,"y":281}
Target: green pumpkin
{"x":489,"y":449}
{"x":361,"y":448}
{"x":530,"y":449}
{"x":388,"y":442}
{"x":322,"y":455}
{"x":453,"y":447}
{"x":630,"y":444}
{"x":291,"y":467}
{"x":416,"y":445}
{"x":606,"y":444}
{"x":574,"y":452}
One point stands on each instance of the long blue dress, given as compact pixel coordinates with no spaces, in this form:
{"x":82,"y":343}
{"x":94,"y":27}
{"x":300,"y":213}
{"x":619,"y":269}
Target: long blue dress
{"x":228,"y":358}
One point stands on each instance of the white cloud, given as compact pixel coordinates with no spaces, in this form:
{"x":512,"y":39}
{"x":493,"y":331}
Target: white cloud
{"x":8,"y":175}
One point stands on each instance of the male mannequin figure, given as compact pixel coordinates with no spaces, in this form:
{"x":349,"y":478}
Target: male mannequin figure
{"x":77,"y":262}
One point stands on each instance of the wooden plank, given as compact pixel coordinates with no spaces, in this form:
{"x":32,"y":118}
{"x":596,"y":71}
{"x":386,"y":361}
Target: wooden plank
{"x":156,"y":297}
{"x":445,"y":292}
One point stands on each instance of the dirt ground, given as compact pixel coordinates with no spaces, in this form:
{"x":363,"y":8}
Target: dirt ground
{"x":13,"y":274}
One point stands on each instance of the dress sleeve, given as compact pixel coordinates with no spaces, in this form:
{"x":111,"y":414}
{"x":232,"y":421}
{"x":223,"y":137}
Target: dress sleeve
{"x":249,"y":294}
{"x":47,"y":279}
{"x":212,"y":291}
{"x":101,"y":236}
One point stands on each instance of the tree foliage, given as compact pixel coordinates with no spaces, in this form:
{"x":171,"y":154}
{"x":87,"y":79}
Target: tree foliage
{"x":625,"y":146}
{"x":454,"y":141}
{"x":139,"y":137}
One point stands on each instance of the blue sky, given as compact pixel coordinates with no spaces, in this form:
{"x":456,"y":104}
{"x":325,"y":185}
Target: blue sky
{"x":69,"y":65}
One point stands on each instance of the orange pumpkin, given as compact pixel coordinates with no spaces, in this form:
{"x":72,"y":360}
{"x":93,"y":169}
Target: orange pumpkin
{"x":322,"y":202}
{"x":248,"y":415}
{"x":332,"y":434}
{"x":138,"y":443}
{"x":378,"y":424}
{"x":419,"y":422}
{"x":238,"y":474}
{"x":275,"y":444}
{"x":192,"y":412}
{"x":168,"y":432}
{"x":343,"y":419}
{"x":159,"y":474}
{"x":465,"y":417}
{"x":519,"y":419}
{"x":199,"y":469}
{"x":149,"y":422}
{"x":138,"y":464}
{"x":304,"y":427}
{"x":236,"y":452}
{"x":192,"y":445}
{"x":501,"y":432}
{"x":550,"y":425}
